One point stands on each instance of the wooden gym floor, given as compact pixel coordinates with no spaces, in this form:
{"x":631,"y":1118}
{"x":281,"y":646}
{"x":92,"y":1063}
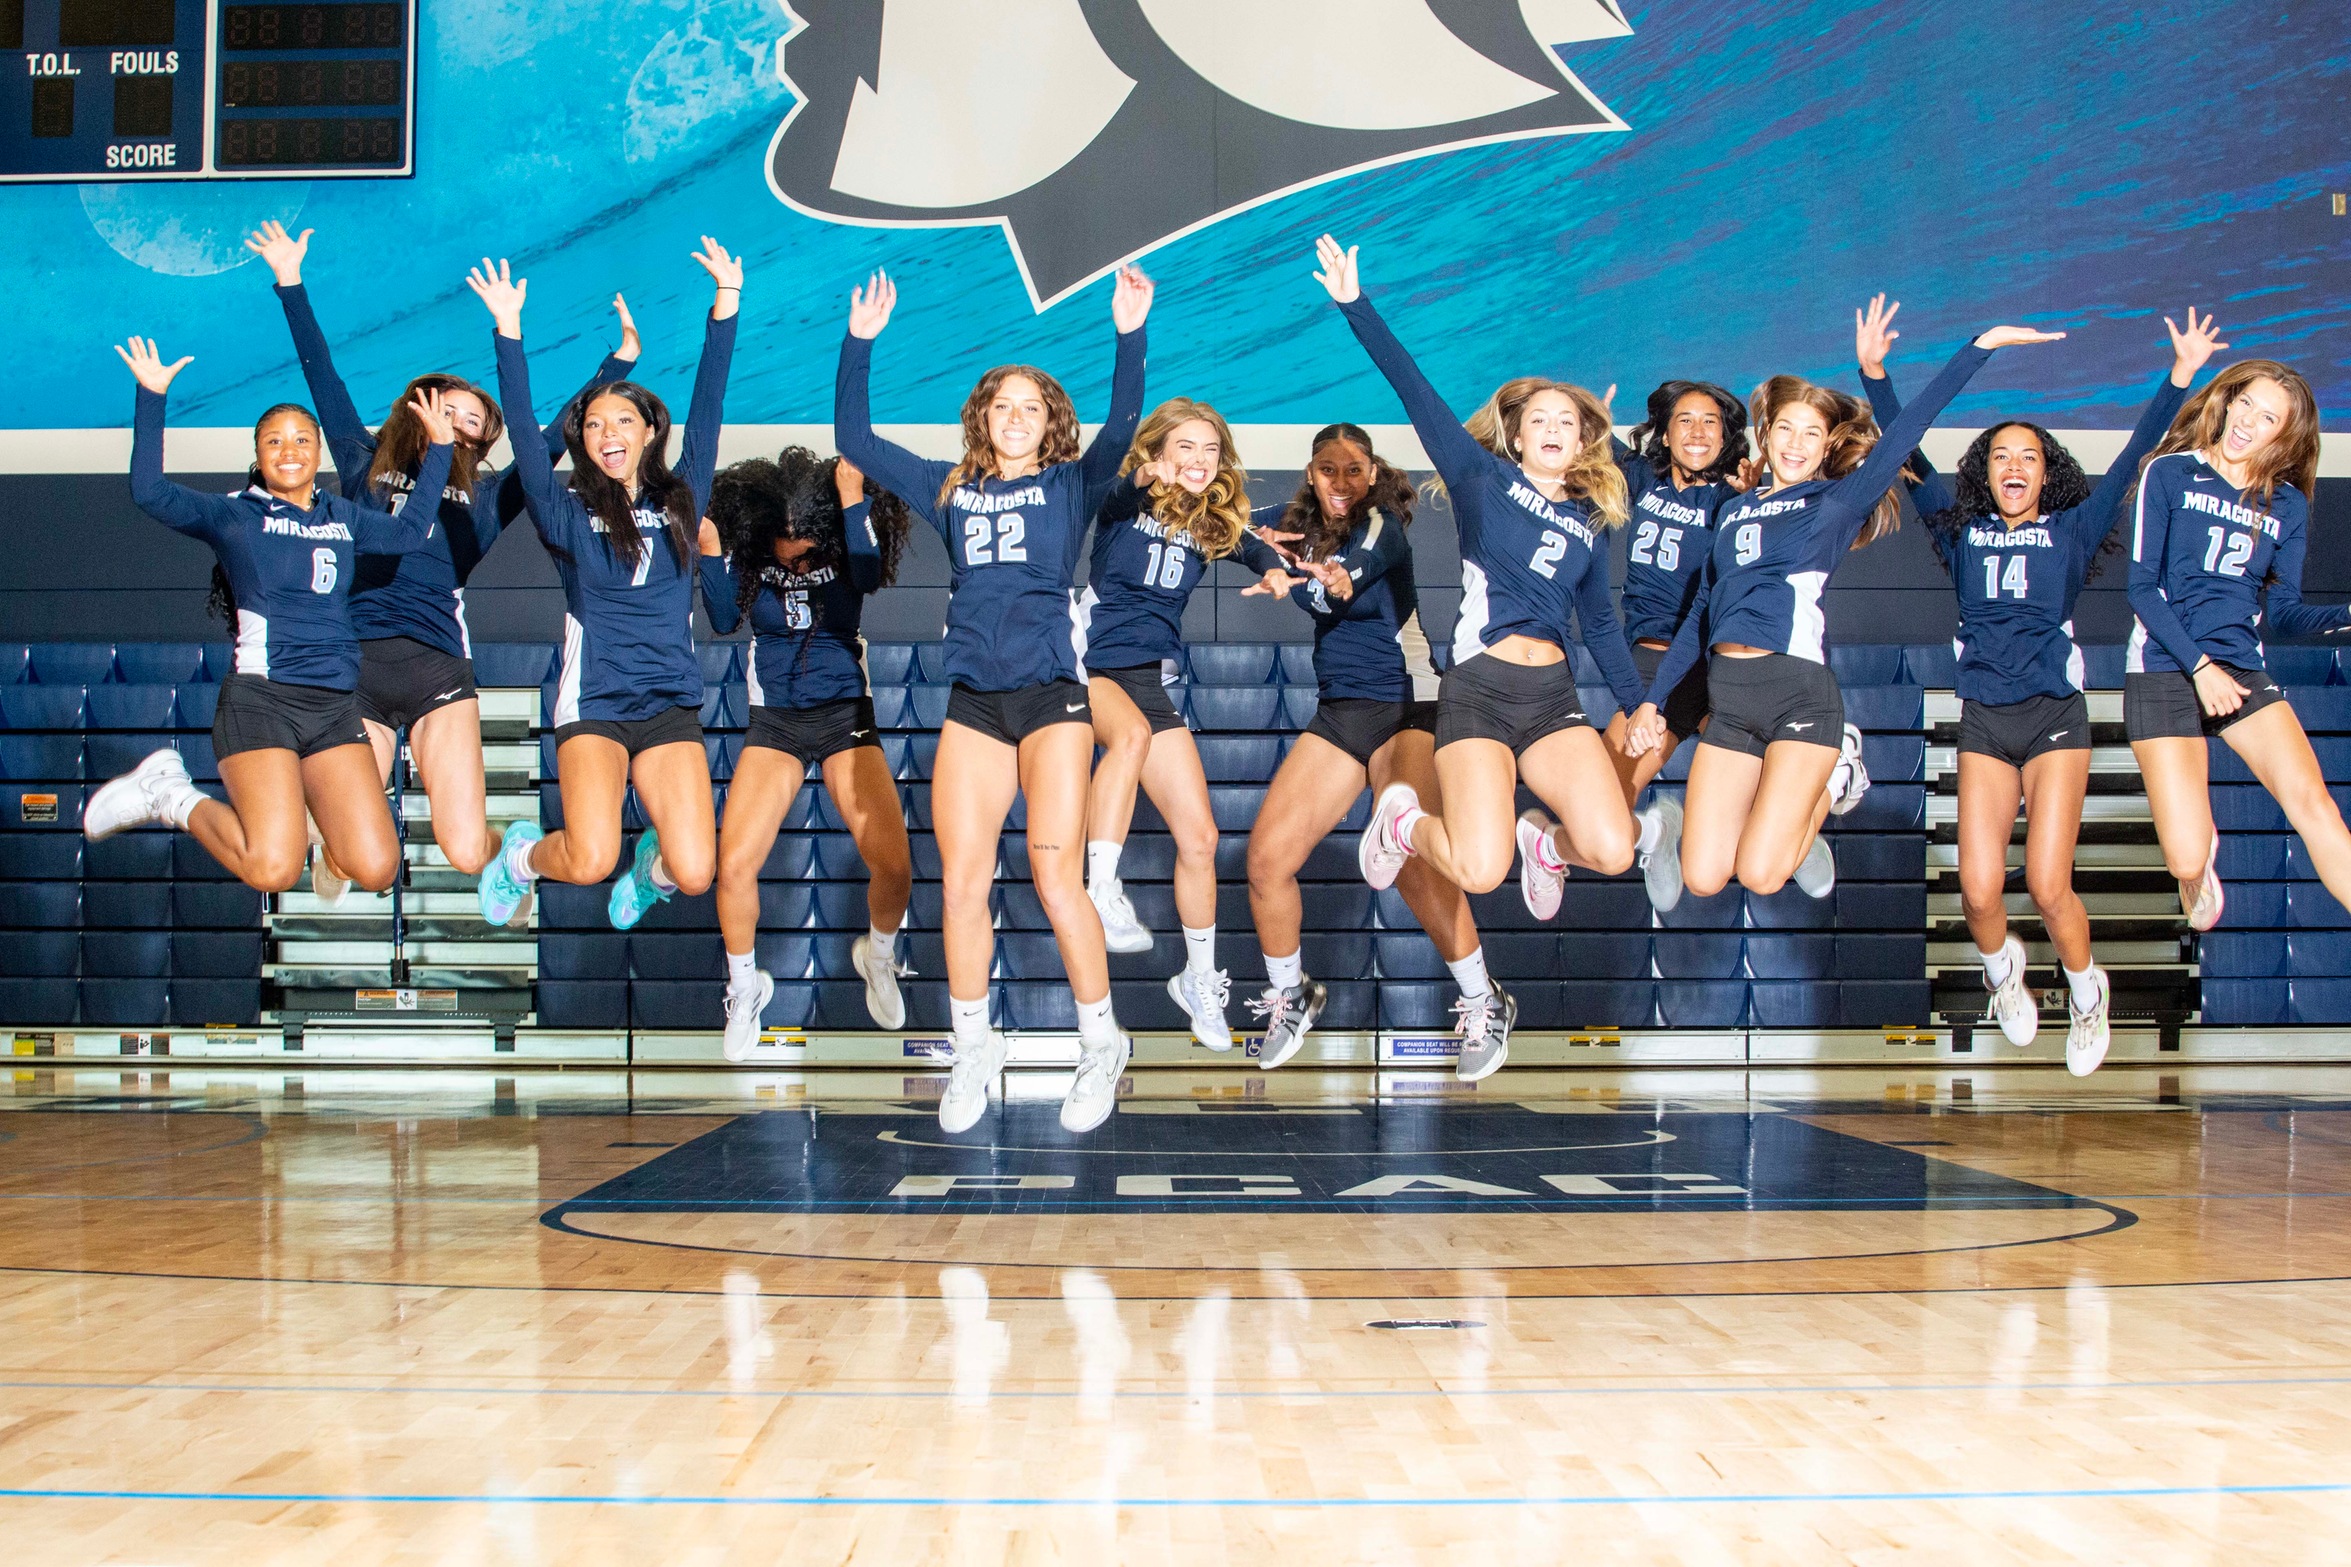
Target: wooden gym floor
{"x":434,"y":1316}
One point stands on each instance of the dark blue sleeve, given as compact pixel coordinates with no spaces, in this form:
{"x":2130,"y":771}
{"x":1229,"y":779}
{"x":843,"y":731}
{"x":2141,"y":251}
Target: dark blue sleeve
{"x":718,"y":591}
{"x":1259,"y":556}
{"x":1459,"y":461}
{"x":890,"y":465}
{"x":174,"y":505}
{"x":2150,"y":533}
{"x":698,"y":453}
{"x":1383,"y":544}
{"x":1603,"y":634}
{"x":561,"y":521}
{"x":1689,"y":643}
{"x":1123,"y":502}
{"x":2283,"y":612}
{"x":411,"y":527}
{"x":348,"y":439}
{"x":2091,"y":522}
{"x":865,"y":547}
{"x":1852,"y":498}
{"x":1639,"y":477}
{"x":1929,"y":492}
{"x":498,"y":501}
{"x":1100,"y":465}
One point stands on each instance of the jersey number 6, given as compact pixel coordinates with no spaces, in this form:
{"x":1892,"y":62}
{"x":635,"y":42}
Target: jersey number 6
{"x":1007,"y":533}
{"x":322,"y":571}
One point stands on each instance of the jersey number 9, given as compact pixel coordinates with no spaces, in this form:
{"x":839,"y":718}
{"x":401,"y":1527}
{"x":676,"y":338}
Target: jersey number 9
{"x":322,"y":571}
{"x":994,"y":540}
{"x":1747,"y":543}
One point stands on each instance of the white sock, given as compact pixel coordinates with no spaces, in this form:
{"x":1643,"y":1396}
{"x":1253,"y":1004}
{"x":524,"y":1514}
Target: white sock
{"x":518,"y":863}
{"x":970,"y":1019}
{"x":1470,"y":974}
{"x":1547,"y":853}
{"x":180,"y":804}
{"x":1102,"y":864}
{"x":1285,"y":973}
{"x":1652,"y":832}
{"x":1997,"y":967}
{"x":1406,"y":820}
{"x":1097,"y":1028}
{"x":884,"y":942}
{"x":742,"y":971}
{"x":1200,"y":949}
{"x":660,"y":874}
{"x":2084,"y":986}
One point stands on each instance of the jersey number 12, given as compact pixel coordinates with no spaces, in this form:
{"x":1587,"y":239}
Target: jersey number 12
{"x":2228,"y":552}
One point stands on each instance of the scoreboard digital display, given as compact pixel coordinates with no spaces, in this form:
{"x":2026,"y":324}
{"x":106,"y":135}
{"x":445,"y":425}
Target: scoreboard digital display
{"x":206,"y":89}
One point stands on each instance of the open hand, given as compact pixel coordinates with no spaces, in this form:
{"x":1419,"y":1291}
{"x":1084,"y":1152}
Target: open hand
{"x":727,"y":272}
{"x":1276,"y":583}
{"x":1874,"y":334}
{"x":2016,"y":336}
{"x":502,"y":292}
{"x":870,"y":306}
{"x":2192,"y":349}
{"x":1130,"y":299}
{"x":148,"y":366}
{"x":632,"y":347}
{"x":1336,"y":584}
{"x":430,"y":413}
{"x":1337,"y":272}
{"x":282,"y":252}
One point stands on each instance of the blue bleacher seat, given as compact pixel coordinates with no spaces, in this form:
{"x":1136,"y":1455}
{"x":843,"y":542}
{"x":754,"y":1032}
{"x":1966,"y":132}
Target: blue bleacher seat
{"x":801,"y":954}
{"x":567,"y":954}
{"x":1888,"y":807}
{"x":690,"y":1004}
{"x":794,"y":1004}
{"x":159,"y":663}
{"x":111,"y":755}
{"x":2268,"y":1001}
{"x":2102,"y":666}
{"x":676,"y":954}
{"x":2309,"y":906}
{"x":2224,"y":954}
{"x":1239,"y":758}
{"x":48,"y":856}
{"x":2258,"y":856}
{"x":1607,"y":1004}
{"x":127,"y":905}
{"x":196,"y":752}
{"x":1868,"y":664}
{"x":721,"y":661}
{"x":1233,"y":663}
{"x":888,"y":663}
{"x":1933,"y":665}
{"x":42,"y":905}
{"x":198,"y":1002}
{"x":2324,"y":710}
{"x":1725,"y":910}
{"x":35,"y":953}
{"x":2323,"y":954}
{"x":16,"y":661}
{"x":1881,"y":957}
{"x":1881,"y":856}
{"x":126,"y":953}
{"x":890,"y":707}
{"x":220,"y":661}
{"x":512,"y":663}
{"x":2302,"y":666}
{"x":578,"y":1003}
{"x":1885,"y":707}
{"x":1697,"y":954}
{"x":32,"y":758}
{"x":72,"y":663}
{"x":1862,"y":907}
{"x":42,"y":707}
{"x":1595,"y":955}
{"x":1790,"y":955}
{"x":1296,"y":665}
{"x":716,"y":713}
{"x":926,"y":708}
{"x":130,"y":707}
{"x":2255,"y":905}
{"x":215,"y":954}
{"x":196,"y":705}
{"x":1894,"y":758}
{"x":2246,"y":808}
{"x":1252,"y":709}
{"x":1298,"y":705}
{"x":1884,"y":1003}
{"x":1794,"y":1003}
{"x":190,"y":860}
{"x":680,"y":913}
{"x":1429,"y":1006}
{"x":214,"y":906}
{"x":930,"y":664}
{"x":1702,"y":1003}
{"x":126,"y":1003}
{"x":54,"y":1000}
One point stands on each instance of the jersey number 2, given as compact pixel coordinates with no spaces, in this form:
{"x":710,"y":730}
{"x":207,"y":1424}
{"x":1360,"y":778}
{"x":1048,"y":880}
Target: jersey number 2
{"x":994,"y":541}
{"x":1547,"y":555}
{"x":322,"y":571}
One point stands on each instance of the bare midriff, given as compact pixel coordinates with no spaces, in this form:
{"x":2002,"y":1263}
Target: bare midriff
{"x":1532,"y":652}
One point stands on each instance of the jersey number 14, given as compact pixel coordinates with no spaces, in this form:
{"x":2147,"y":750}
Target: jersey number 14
{"x":2008,"y":579}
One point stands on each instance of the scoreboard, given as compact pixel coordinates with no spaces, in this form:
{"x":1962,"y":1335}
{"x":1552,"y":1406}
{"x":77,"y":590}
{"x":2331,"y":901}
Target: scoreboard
{"x":104,"y":90}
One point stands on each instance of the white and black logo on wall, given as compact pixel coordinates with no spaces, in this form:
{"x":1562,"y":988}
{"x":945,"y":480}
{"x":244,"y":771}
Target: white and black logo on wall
{"x":1093,"y":130}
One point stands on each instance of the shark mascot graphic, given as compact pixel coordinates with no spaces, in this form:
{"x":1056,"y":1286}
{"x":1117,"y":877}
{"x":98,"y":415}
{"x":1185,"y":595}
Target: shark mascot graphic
{"x":1095,"y":130}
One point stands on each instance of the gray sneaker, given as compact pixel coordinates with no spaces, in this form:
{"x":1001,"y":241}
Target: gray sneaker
{"x":1661,"y":867}
{"x":1485,"y":1033}
{"x":1289,"y":1016}
{"x":968,"y":1081}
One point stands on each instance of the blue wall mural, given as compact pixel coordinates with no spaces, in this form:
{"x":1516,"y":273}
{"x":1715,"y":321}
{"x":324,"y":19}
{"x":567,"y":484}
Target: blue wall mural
{"x":2090,"y":165}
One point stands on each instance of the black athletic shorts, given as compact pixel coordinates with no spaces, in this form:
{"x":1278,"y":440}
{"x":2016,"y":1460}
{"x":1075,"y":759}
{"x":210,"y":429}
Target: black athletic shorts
{"x":260,"y":714}
{"x":1686,"y":704}
{"x":2016,"y":732}
{"x":1012,"y":716}
{"x":1776,"y":697}
{"x":402,"y":679}
{"x":2163,"y":705}
{"x":1360,"y":725}
{"x":1486,"y":698}
{"x":814,"y":733}
{"x":1145,"y":689}
{"x":672,"y":727}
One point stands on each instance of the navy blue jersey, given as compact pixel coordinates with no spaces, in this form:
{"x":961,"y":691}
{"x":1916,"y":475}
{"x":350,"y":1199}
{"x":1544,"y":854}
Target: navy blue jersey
{"x":1774,"y":549}
{"x":1528,"y":563}
{"x":2201,"y":557}
{"x":421,"y":594}
{"x":1368,"y":645}
{"x":1672,"y":531}
{"x":1012,"y":544}
{"x":628,"y":638}
{"x":290,"y":569}
{"x":2017,"y":585}
{"x":807,"y":649}
{"x":1140,"y":578}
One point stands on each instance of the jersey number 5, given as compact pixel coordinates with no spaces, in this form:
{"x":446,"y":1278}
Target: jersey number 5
{"x":994,"y":541}
{"x":322,"y":571}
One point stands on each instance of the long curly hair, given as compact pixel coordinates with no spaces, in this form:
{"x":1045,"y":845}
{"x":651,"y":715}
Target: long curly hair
{"x":401,"y":442}
{"x":1652,"y":439}
{"x":608,"y":500}
{"x":2290,"y":458}
{"x":1217,"y":515}
{"x":1592,"y":476}
{"x":757,"y":504}
{"x":1853,"y":435}
{"x":1060,"y":444}
{"x":221,"y":600}
{"x":1326,"y":535}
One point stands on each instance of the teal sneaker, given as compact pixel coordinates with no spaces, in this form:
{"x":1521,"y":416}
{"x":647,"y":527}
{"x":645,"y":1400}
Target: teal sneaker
{"x":634,"y":893}
{"x":505,"y":895}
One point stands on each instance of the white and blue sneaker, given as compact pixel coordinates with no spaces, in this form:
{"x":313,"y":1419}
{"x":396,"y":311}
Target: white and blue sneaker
{"x":505,"y":896}
{"x":634,"y":893}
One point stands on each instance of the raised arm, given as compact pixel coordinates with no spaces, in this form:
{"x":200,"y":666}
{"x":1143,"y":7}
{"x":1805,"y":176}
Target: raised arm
{"x":1457,"y":457}
{"x":1873,"y":336}
{"x":719,"y":590}
{"x":409,"y":525}
{"x":560,"y":523}
{"x":1130,"y":306}
{"x":2096,"y":517}
{"x":174,"y":505}
{"x":698,"y":452}
{"x":504,"y":501}
{"x":863,"y":545}
{"x":349,"y":441}
{"x":1854,"y":496}
{"x":2150,"y":533}
{"x":892,"y":466}
{"x":1603,"y":633}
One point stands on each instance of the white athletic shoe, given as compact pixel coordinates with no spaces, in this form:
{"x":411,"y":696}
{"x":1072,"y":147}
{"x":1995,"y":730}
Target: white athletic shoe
{"x":880,"y":970}
{"x":2013,"y":1005}
{"x":1848,"y":780}
{"x":1094,"y":1091}
{"x":969,"y":1080}
{"x":1381,"y":852}
{"x":1289,"y":1017}
{"x":1121,"y":931}
{"x":1817,"y":873}
{"x":1204,"y":996}
{"x":328,"y":885}
{"x":1661,"y":867}
{"x":743,"y":1010}
{"x":139,"y":798}
{"x":2204,"y":906}
{"x":1484,"y":1028}
{"x":1538,"y":882}
{"x":2086,"y":1036}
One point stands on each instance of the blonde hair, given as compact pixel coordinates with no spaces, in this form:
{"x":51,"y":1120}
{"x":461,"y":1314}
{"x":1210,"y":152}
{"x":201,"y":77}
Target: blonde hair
{"x":1060,"y":444}
{"x":2291,"y":457}
{"x":1217,"y":515}
{"x":1853,"y":435}
{"x":1592,"y":476}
